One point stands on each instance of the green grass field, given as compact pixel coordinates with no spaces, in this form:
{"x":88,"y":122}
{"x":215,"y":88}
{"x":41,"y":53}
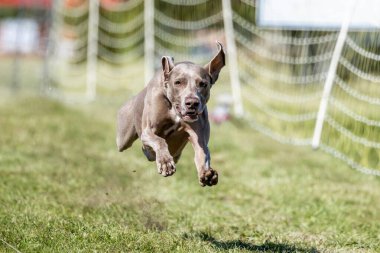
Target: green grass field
{"x":65,"y":188}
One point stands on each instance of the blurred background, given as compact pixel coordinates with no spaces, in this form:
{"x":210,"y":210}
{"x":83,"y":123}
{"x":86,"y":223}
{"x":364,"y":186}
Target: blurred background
{"x":299,"y":75}
{"x":81,"y":51}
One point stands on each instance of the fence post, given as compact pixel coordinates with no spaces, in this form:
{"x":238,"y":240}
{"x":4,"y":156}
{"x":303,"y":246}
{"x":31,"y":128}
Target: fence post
{"x":232,"y":57}
{"x":92,"y":50}
{"x":15,"y":84}
{"x":331,"y":75}
{"x":49,"y":46}
{"x":149,"y":39}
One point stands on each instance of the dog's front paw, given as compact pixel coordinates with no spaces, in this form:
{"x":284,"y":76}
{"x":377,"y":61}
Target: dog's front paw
{"x":165,"y":165}
{"x":208,"y":177}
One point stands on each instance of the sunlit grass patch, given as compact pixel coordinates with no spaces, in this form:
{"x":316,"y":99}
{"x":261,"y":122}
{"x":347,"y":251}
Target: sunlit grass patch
{"x":66,"y":188}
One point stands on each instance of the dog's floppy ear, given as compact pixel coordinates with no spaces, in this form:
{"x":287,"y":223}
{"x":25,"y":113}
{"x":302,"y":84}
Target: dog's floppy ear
{"x":216,"y":64}
{"x":167,"y":65}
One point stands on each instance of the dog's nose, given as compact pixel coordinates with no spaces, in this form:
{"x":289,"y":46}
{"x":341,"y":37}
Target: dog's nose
{"x":192,"y":103}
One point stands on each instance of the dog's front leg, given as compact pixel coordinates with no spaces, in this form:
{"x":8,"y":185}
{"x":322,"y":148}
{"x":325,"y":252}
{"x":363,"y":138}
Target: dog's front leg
{"x":164,"y":161}
{"x":206,"y":175}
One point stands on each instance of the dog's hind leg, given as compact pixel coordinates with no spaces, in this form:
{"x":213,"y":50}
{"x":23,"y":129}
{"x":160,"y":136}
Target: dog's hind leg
{"x":126,"y":131}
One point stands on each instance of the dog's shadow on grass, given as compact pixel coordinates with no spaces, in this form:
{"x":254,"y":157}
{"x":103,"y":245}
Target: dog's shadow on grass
{"x":239,"y":244}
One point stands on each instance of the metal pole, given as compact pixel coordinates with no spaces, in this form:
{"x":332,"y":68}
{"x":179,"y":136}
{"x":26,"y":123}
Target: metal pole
{"x":48,"y":43}
{"x":92,"y":50}
{"x":331,"y":75}
{"x":232,"y":58}
{"x":15,"y":85}
{"x":149,"y":39}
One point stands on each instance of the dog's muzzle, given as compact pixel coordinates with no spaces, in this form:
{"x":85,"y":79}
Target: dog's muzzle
{"x":190,"y":110}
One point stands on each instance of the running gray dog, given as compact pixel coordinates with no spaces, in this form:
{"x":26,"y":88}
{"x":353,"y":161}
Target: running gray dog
{"x":170,"y":111}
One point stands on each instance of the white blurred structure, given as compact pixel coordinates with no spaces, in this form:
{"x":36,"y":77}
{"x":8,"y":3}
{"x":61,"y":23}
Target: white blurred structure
{"x":318,"y":14}
{"x":19,"y":35}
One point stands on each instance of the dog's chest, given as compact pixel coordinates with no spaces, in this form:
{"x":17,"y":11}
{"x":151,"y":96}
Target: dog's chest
{"x":171,"y":128}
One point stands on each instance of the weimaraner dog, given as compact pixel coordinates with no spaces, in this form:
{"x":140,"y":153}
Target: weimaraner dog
{"x":170,"y":111}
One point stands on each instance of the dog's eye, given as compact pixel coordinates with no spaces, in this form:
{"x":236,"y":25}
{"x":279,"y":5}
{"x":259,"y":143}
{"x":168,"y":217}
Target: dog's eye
{"x":177,"y":82}
{"x":203,"y":84}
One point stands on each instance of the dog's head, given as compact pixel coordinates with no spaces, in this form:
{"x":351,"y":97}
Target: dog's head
{"x":188,"y":85}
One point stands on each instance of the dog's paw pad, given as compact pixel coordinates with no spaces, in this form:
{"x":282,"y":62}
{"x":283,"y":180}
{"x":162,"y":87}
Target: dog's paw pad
{"x":166,"y":166}
{"x":208,"y":177}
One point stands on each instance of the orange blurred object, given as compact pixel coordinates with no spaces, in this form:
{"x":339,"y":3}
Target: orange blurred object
{"x":74,"y":3}
{"x":26,"y":3}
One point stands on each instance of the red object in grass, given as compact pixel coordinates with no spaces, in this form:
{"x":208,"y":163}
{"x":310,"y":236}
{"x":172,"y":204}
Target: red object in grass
{"x":220,"y":114}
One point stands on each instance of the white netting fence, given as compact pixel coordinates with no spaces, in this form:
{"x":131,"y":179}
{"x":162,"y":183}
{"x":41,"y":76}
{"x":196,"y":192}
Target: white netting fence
{"x":191,"y":39}
{"x":118,"y":42}
{"x":282,"y":73}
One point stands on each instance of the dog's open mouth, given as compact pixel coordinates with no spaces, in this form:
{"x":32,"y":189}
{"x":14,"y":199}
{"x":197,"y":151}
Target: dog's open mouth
{"x":190,"y":116}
